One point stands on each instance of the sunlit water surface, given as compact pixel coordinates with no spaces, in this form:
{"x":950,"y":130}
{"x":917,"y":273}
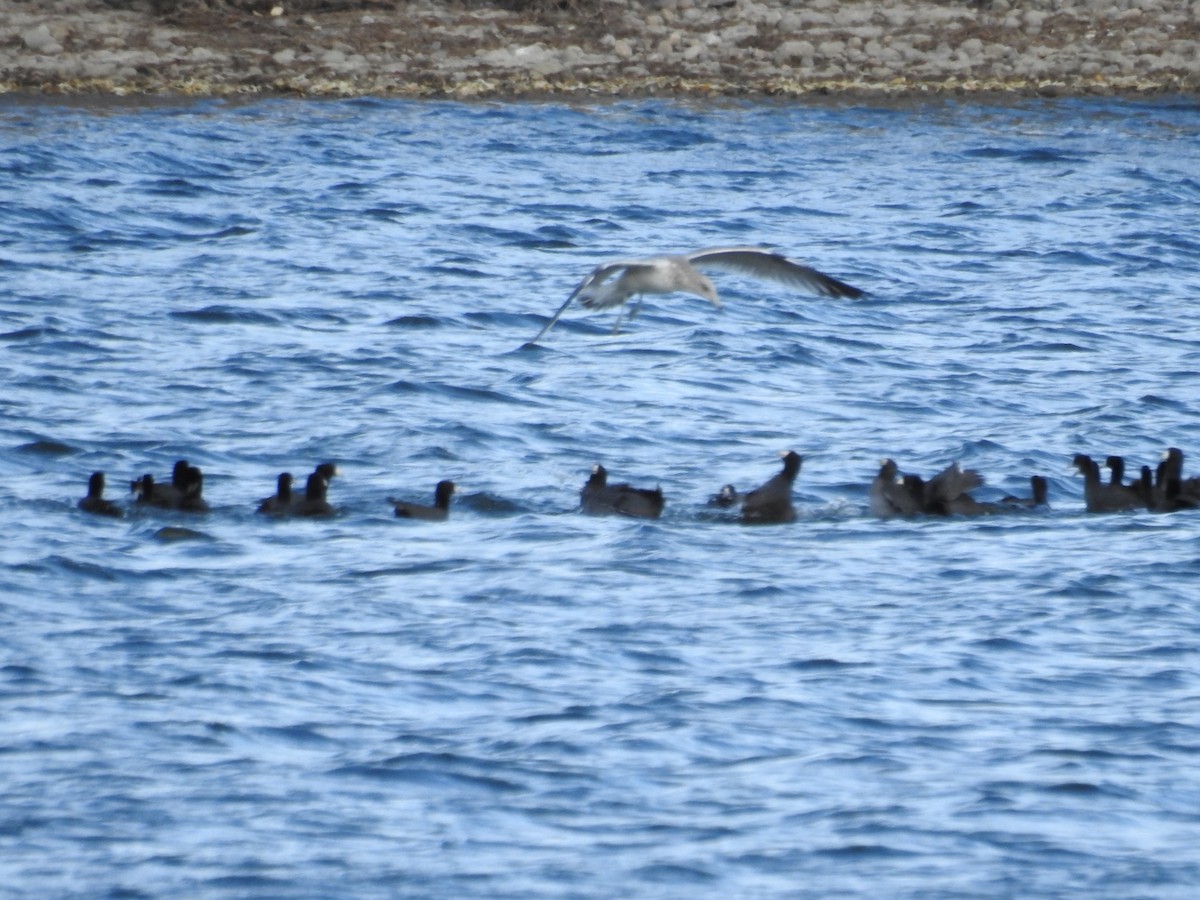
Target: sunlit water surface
{"x":527,"y":702}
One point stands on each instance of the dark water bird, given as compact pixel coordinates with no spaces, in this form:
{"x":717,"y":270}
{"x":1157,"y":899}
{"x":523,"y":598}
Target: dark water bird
{"x":1116,"y":470}
{"x":1039,"y":492}
{"x":772,"y":501}
{"x":149,"y":493}
{"x":1173,"y":498}
{"x":1171,"y":490}
{"x":681,"y":273}
{"x":892,"y":494}
{"x":285,"y":501}
{"x":1143,"y":488}
{"x":95,"y":503}
{"x":1100,"y":497}
{"x":916,"y":490}
{"x":280,"y":503}
{"x":966,"y":505}
{"x":314,"y":503}
{"x":143,"y":489}
{"x":439,"y":511}
{"x":946,"y":493}
{"x":726,"y":498}
{"x":163,"y":496}
{"x":326,"y":470}
{"x":599,"y":498}
{"x":192,"y":499}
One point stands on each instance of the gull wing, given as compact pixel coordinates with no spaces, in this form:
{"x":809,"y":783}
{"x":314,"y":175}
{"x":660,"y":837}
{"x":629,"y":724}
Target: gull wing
{"x":771,"y":265}
{"x":600,"y":274}
{"x":597,"y":276}
{"x":557,"y":315}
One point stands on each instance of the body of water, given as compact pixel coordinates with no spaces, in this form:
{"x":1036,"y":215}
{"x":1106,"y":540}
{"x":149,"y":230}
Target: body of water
{"x":527,"y":702}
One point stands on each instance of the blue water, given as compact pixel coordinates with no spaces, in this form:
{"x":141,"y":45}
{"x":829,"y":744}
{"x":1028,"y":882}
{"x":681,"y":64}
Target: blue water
{"x":526,"y":702}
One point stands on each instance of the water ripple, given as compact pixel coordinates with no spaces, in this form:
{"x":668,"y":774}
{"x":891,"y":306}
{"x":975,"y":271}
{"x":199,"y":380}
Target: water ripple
{"x":525,"y":701}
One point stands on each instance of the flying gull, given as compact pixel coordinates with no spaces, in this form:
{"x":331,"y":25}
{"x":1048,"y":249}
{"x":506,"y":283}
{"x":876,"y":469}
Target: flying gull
{"x":681,"y":272}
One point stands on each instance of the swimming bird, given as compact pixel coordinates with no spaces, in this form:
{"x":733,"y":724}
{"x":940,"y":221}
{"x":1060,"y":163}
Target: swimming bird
{"x":1172,"y":497}
{"x":599,"y":498}
{"x":326,"y":470}
{"x":94,"y":502}
{"x":1170,"y":474}
{"x":193,"y":487}
{"x":143,"y":489}
{"x":1101,"y":497}
{"x":1144,"y":487}
{"x":151,"y":493}
{"x":314,"y":503}
{"x":1116,"y":469}
{"x":436,"y":513}
{"x":946,"y":493}
{"x":1171,"y":491}
{"x":893,"y":494}
{"x":726,"y":498}
{"x":163,"y":496}
{"x":279,"y":504}
{"x":673,"y":273}
{"x":1039,"y":490}
{"x":772,"y":501}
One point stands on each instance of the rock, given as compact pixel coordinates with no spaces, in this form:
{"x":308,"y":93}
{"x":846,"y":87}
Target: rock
{"x":40,"y":40}
{"x":971,"y":48}
{"x":1034,"y":19}
{"x":535,"y":58}
{"x":790,"y":51}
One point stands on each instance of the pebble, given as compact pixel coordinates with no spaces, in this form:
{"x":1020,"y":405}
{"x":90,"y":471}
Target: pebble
{"x":426,"y":47}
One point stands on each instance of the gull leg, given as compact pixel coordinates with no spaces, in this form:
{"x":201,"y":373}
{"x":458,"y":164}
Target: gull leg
{"x":617,"y":324}
{"x":633,"y":311}
{"x":557,"y":316}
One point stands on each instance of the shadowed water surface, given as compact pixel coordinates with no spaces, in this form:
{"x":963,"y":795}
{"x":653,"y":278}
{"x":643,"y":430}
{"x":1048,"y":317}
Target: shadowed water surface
{"x":526,"y":702}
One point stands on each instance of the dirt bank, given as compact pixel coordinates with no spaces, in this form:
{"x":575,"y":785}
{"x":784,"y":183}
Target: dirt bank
{"x":598,"y":47}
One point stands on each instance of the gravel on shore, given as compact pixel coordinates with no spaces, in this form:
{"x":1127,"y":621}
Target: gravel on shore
{"x":443,"y":48}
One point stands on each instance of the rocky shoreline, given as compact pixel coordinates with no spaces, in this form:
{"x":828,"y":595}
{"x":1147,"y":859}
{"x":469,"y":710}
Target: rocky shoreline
{"x":430,"y":48}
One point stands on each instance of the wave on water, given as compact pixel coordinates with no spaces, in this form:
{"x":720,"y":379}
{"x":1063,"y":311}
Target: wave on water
{"x":525,"y":700}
